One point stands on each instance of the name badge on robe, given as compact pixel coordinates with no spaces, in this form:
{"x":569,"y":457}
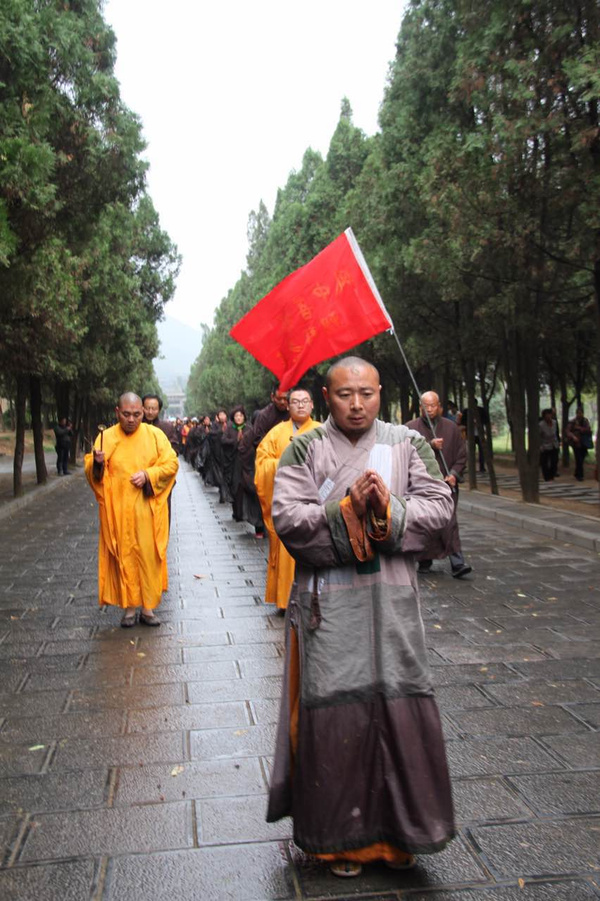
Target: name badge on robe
{"x":325,"y":490}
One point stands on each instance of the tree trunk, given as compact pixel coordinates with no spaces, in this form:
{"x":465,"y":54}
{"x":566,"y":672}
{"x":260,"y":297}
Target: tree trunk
{"x":35,"y":400}
{"x":20,"y":404}
{"x":564,"y":405}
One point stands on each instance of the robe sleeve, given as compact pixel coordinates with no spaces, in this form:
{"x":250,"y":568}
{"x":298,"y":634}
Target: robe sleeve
{"x":161,"y":475}
{"x":265,"y":467}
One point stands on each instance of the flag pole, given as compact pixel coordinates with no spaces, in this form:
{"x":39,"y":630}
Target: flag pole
{"x":367,"y":273}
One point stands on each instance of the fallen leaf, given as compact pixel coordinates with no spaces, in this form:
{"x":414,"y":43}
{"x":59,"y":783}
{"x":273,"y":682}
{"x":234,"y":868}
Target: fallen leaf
{"x":141,"y":654}
{"x":240,"y":732}
{"x":521,"y":883}
{"x":521,"y":595}
{"x":132,"y":642}
{"x":177,"y":770}
{"x":537,"y":704}
{"x":37,"y":747}
{"x":437,"y":627}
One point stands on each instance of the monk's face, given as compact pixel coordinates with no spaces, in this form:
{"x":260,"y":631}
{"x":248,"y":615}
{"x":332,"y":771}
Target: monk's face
{"x":151,"y":409}
{"x":430,"y":404}
{"x":353,"y":398}
{"x":301,"y":406}
{"x":280,"y":400}
{"x":130,"y":416}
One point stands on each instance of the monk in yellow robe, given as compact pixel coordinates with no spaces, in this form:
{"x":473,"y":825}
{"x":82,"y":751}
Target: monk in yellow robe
{"x":281,"y":567}
{"x":131,"y":471}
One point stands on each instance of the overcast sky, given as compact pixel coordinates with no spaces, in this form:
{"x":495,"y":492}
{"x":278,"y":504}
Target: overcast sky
{"x":230,"y":95}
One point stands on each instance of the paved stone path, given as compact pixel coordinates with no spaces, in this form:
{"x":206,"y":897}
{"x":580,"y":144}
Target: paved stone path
{"x":134,"y":763}
{"x":565,"y":487}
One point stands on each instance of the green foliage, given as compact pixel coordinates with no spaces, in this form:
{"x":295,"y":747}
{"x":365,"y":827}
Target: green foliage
{"x":85,"y":269}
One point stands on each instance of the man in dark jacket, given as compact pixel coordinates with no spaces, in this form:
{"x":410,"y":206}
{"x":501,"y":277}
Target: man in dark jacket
{"x":63,"y":433}
{"x":447,"y":442}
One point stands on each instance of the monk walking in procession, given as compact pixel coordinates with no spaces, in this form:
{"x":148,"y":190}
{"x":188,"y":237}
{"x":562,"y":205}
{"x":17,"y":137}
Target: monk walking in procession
{"x":360,"y":761}
{"x":131,"y":471}
{"x":280,"y":566}
{"x":451,"y":452}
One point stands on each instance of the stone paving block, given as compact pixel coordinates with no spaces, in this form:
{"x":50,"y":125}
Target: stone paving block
{"x":197,"y":639}
{"x":70,"y":881}
{"x":253,"y":669}
{"x":492,"y":654}
{"x":565,"y":793}
{"x":567,"y":890}
{"x":538,"y":692}
{"x":478,"y":800}
{"x":473,"y":673}
{"x":233,"y":652}
{"x":266,"y":711}
{"x":9,"y":830}
{"x":248,"y":741}
{"x":516,"y":721}
{"x":226,"y":821}
{"x":195,"y":779}
{"x":20,"y":760}
{"x":33,"y":703}
{"x":146,"y":696}
{"x":461,"y":697}
{"x":243,"y":873}
{"x":20,"y":650}
{"x":561,"y":847}
{"x":82,"y":754}
{"x":561,"y":669}
{"x":154,"y":827}
{"x":573,"y":650}
{"x":583,"y":752}
{"x":254,"y":636}
{"x":52,"y":681}
{"x":455,"y":865}
{"x":64,"y":791}
{"x":133,"y":656}
{"x":65,"y":725}
{"x":589,"y":713}
{"x":188,"y":716}
{"x":186,"y":672}
{"x":491,"y":757}
{"x":238,"y":690}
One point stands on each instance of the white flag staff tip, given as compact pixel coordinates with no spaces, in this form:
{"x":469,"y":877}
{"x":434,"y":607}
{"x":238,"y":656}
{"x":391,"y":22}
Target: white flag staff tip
{"x":367,"y":274}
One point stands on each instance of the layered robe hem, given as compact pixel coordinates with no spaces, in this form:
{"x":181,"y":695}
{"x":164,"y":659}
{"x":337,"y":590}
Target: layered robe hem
{"x":134,"y":522}
{"x":360,"y":761}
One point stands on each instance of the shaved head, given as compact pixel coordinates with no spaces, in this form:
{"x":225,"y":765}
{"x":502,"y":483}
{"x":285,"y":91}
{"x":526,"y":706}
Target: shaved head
{"x":430,"y":405}
{"x":128,"y":398}
{"x":353,"y":364}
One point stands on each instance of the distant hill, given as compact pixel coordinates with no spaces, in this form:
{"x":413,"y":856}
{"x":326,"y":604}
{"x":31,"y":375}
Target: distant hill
{"x":179,"y":346}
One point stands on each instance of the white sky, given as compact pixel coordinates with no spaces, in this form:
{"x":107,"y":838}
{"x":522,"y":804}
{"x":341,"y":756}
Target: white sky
{"x":230,"y":95}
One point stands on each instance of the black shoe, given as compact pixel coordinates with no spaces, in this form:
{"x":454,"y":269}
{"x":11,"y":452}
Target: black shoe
{"x":461,"y":571}
{"x":425,"y":566}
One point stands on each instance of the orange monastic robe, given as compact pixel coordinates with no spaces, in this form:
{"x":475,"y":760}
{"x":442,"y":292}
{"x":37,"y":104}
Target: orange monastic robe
{"x":134,"y":528}
{"x":281,"y":567}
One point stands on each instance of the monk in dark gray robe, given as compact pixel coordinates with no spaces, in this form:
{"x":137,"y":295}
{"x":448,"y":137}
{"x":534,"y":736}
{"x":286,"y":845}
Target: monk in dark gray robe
{"x":360,"y":763}
{"x":449,"y":444}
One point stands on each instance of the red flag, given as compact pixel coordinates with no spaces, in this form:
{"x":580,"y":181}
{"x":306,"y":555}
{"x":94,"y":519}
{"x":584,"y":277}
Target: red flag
{"x":322,"y":309}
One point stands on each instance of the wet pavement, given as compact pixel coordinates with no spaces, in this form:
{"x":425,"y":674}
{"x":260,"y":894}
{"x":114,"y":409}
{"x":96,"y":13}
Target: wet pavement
{"x":134,"y":763}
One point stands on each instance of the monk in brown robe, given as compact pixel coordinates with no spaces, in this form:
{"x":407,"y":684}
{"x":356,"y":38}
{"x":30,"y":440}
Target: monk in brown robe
{"x":359,"y":761}
{"x":451,"y":453}
{"x":131,"y":471}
